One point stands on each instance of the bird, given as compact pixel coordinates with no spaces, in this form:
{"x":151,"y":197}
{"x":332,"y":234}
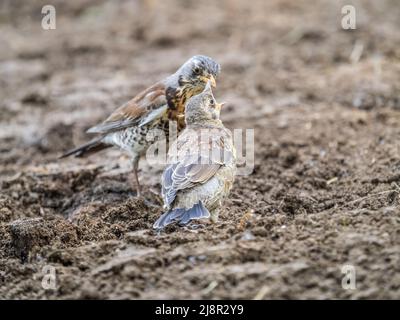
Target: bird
{"x":127,"y":127}
{"x":201,"y":165}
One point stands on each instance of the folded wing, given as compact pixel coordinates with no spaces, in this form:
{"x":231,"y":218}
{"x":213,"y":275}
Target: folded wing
{"x":193,"y":166}
{"x":146,"y":107}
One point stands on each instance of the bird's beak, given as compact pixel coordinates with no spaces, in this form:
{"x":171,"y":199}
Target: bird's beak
{"x":220,"y":105}
{"x":209,"y":78}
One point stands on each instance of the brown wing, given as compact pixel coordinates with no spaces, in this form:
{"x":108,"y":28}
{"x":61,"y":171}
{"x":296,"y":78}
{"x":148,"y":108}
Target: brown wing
{"x":193,"y":166}
{"x":146,"y":106}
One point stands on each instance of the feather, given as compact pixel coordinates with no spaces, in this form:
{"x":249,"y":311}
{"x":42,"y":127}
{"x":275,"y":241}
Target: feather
{"x":145,"y":105}
{"x":182,"y":216}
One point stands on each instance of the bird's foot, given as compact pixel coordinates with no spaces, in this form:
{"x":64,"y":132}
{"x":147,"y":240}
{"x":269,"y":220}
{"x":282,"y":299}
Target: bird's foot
{"x":194,"y":227}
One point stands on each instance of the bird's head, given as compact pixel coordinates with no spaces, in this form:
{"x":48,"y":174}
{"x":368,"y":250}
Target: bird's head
{"x":195,"y":73}
{"x":203,"y":107}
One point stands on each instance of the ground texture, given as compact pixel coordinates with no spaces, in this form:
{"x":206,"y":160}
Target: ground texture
{"x":325,"y":107}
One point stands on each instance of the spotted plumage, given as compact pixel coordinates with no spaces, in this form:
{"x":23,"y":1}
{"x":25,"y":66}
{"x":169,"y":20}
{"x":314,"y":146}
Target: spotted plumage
{"x":128,"y":126}
{"x":202,"y":165}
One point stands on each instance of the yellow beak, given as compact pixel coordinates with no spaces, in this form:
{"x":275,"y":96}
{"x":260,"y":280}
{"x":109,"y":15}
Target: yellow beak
{"x":220,"y":105}
{"x":209,"y":78}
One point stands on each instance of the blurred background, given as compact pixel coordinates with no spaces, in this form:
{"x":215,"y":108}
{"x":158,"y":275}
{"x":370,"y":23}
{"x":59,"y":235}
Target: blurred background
{"x":325,"y":106}
{"x":102,"y":53}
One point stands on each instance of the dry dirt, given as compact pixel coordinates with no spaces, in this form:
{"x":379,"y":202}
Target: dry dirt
{"x":325,"y":106}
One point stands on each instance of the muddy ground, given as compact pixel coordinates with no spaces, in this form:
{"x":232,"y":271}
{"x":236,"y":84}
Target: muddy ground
{"x":325,"y":191}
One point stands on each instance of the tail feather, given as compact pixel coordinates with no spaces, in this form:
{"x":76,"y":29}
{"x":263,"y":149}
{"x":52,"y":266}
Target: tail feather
{"x":182,"y":216}
{"x":86,"y":149}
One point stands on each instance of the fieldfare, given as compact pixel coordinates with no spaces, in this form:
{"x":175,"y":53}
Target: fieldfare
{"x":153,"y":108}
{"x":201,"y":166}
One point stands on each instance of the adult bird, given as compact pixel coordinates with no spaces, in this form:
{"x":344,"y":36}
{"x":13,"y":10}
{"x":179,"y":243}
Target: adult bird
{"x":153,"y":108}
{"x":202,"y":165}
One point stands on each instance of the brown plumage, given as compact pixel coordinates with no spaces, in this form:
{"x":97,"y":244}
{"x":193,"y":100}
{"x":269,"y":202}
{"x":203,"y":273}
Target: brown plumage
{"x":135,"y":110}
{"x":128,"y":126}
{"x":87,"y":149}
{"x":202,"y":165}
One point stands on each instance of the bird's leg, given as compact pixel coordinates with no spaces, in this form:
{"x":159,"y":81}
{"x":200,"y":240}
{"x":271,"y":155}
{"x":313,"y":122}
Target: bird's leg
{"x":136,"y":185}
{"x":135,"y":177}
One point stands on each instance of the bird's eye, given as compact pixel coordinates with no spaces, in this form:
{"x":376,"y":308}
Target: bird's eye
{"x":212,"y":102}
{"x":196,"y":70}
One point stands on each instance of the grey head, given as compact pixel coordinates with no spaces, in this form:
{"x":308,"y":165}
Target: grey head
{"x":203,"y":108}
{"x":196,"y":72}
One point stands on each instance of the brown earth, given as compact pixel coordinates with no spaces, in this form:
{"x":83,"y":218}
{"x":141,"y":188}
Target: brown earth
{"x":325,"y":191}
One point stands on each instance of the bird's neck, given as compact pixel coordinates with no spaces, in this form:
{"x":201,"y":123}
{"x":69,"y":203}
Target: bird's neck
{"x":205,"y":123}
{"x":179,"y":91}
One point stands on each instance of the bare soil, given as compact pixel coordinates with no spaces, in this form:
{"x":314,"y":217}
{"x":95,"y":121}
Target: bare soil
{"x":325,"y":106}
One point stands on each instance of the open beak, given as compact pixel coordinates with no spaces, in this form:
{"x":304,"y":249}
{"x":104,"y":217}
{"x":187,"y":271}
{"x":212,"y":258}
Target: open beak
{"x":220,"y":105}
{"x":209,"y":78}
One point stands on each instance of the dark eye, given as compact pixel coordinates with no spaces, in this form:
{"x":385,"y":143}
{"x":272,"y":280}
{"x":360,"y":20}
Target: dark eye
{"x":196,"y":70}
{"x":212,"y":102}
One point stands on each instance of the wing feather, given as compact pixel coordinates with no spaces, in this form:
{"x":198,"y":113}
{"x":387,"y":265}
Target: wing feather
{"x":146,"y":107}
{"x":193,"y":169}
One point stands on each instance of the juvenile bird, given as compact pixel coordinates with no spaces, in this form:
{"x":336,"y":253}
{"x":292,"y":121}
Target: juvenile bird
{"x":153,"y":108}
{"x":202,"y":165}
